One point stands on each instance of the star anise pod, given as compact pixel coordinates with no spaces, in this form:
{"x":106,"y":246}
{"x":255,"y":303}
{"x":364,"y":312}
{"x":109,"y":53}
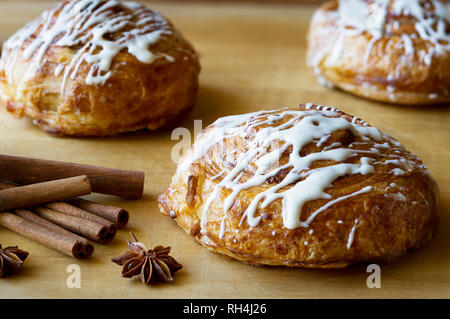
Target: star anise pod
{"x":150,"y":264}
{"x":11,"y":259}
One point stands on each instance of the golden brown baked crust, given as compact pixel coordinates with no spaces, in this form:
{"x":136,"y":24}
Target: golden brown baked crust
{"x":390,"y":55}
{"x":134,"y":95}
{"x":380,"y":203}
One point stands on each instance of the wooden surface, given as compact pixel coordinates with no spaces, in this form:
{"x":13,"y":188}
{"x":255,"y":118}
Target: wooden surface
{"x":252,"y":58}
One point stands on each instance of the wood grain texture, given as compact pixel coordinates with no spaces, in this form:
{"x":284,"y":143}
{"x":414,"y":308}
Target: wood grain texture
{"x":253,"y":57}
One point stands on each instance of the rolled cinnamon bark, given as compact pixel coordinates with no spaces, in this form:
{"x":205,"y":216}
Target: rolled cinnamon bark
{"x":118,"y":182}
{"x":78,"y":212}
{"x":41,"y":234}
{"x":86,"y":228}
{"x":87,"y":248}
{"x":6,"y":186}
{"x":40,"y":193}
{"x":117,"y":215}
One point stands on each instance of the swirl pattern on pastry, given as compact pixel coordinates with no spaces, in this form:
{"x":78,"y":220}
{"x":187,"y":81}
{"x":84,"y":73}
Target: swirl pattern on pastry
{"x":395,"y":51}
{"x":96,"y":67}
{"x":309,"y":187}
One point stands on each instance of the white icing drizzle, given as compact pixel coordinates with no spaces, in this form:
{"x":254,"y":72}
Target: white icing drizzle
{"x":87,"y":24}
{"x":355,"y":17}
{"x":408,"y":44}
{"x":397,"y":171}
{"x":351,"y":235}
{"x":301,"y":183}
{"x":337,"y":200}
{"x":430,"y":24}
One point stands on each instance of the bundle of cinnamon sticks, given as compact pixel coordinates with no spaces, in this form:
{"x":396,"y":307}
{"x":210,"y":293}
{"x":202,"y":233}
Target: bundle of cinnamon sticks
{"x":46,"y":209}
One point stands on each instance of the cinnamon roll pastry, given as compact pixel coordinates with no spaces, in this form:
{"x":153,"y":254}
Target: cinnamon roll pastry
{"x":302,"y":187}
{"x":395,"y":51}
{"x":98,"y":67}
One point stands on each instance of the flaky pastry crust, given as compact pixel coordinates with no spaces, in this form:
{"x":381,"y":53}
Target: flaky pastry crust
{"x":373,"y":212}
{"x":391,"y":51}
{"x":150,"y":82}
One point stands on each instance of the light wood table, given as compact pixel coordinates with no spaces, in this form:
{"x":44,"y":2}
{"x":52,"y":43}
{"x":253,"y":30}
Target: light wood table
{"x":253,"y":57}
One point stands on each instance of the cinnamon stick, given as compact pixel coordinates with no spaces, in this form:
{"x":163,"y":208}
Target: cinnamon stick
{"x":41,"y":193}
{"x":6,"y":186}
{"x":117,"y":215}
{"x":78,"y":212}
{"x":86,"y":228}
{"x":58,"y":241}
{"x":118,"y":182}
{"x":86,"y":250}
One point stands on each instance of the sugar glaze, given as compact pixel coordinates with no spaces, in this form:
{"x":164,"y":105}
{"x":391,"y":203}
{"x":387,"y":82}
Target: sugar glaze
{"x":87,"y":24}
{"x":301,"y":183}
{"x":355,"y":17}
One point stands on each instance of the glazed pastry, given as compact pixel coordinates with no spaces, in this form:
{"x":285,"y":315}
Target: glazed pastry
{"x":395,"y":51}
{"x":309,"y":187}
{"x":97,"y":67}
